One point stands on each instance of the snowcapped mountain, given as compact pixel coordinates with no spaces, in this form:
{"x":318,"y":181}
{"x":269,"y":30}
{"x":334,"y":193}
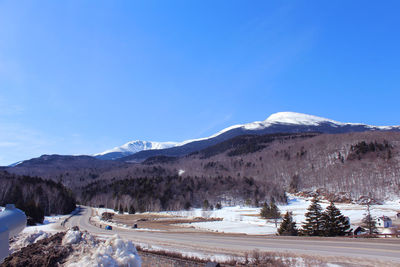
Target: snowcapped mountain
{"x":133,"y":147}
{"x":281,"y":122}
{"x":291,"y":119}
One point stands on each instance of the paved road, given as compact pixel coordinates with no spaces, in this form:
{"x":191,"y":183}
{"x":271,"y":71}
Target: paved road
{"x":376,"y":249}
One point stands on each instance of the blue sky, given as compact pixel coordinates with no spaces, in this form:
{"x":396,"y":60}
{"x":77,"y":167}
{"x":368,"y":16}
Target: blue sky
{"x":80,"y":77}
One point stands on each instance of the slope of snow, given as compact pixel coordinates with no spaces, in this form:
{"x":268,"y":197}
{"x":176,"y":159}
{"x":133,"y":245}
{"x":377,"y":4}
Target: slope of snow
{"x":15,"y":164}
{"x":289,"y":118}
{"x":138,"y":145}
{"x":298,"y":118}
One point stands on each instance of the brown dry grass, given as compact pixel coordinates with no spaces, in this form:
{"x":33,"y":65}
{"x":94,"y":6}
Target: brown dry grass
{"x":159,"y":221}
{"x":274,"y":259}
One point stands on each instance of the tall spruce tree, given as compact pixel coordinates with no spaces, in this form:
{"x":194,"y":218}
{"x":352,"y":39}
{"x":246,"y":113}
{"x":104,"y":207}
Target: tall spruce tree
{"x":132,"y":209}
{"x":275,"y":213}
{"x":313,"y":226}
{"x":369,"y":223}
{"x":288,"y":226}
{"x":265,"y":210}
{"x":271,"y":212}
{"x":334,"y":223}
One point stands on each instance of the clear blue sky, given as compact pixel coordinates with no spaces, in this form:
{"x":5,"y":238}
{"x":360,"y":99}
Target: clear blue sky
{"x":79,"y":77}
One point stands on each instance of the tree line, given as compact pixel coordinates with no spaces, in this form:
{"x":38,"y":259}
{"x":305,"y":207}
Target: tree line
{"x":35,"y":196}
{"x":330,"y":222}
{"x":177,"y":193}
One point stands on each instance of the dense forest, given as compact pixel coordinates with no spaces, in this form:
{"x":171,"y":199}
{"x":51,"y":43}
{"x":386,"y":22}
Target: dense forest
{"x":345,"y":167}
{"x":35,"y":196}
{"x":176,"y":192}
{"x":341,"y":166}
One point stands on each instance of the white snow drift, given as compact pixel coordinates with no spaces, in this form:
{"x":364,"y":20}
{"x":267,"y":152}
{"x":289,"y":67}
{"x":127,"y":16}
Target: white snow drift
{"x":113,"y":252}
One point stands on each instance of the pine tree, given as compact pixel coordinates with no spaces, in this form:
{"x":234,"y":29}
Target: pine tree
{"x":313,"y":225}
{"x":334,"y":223}
{"x":132,"y":210}
{"x":275,"y":213}
{"x":271,"y":212}
{"x":288,"y":226}
{"x":265,"y":211}
{"x":369,"y":223}
{"x":206,"y":204}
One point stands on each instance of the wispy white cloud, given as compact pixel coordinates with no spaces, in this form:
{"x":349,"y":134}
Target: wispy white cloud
{"x":214,"y":126}
{"x":8,"y":144}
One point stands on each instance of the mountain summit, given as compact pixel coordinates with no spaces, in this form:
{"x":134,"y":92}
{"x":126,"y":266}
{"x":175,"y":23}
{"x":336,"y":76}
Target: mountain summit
{"x":281,"y":122}
{"x":133,"y":147}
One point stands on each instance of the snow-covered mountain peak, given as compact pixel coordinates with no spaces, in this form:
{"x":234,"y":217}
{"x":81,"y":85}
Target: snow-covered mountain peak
{"x":297,"y":118}
{"x":277,"y":122}
{"x":138,"y":145}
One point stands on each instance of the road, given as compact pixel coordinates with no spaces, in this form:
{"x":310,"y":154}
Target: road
{"x":374,"y":249}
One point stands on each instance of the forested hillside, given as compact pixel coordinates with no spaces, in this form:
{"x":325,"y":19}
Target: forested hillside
{"x":348,"y":166}
{"x":176,"y":192}
{"x":35,"y":196}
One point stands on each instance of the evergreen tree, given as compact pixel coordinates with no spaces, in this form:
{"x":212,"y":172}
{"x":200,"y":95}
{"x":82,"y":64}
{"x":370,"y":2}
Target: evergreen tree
{"x":206,"y":204}
{"x":275,"y":213}
{"x":270,"y":212}
{"x":132,"y":210}
{"x":34,"y":213}
{"x":369,"y":223}
{"x":265,"y":211}
{"x":334,"y":223}
{"x":288,"y":226}
{"x":313,"y":225}
{"x":187,"y":205}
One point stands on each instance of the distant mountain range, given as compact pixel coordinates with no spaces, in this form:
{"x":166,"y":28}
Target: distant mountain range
{"x":287,"y":151}
{"x":282,"y":122}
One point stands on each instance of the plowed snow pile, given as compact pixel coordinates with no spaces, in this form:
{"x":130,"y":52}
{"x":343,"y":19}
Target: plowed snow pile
{"x":26,"y":239}
{"x":89,"y":251}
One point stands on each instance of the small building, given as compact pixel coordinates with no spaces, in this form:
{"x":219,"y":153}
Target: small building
{"x":359,"y":230}
{"x":384,"y":221}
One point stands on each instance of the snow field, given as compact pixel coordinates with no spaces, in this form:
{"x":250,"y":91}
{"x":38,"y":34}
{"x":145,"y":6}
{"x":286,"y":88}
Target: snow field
{"x":246,"y":220}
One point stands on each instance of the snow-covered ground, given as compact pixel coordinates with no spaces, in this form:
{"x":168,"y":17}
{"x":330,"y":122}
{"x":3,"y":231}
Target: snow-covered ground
{"x":246,"y":220}
{"x":49,"y":225}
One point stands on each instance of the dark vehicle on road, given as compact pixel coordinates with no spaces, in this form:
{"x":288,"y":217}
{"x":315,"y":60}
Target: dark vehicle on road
{"x":108,"y":227}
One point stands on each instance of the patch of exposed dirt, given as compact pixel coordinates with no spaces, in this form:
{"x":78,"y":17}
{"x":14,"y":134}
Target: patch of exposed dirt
{"x":158,"y":221}
{"x":46,"y":252}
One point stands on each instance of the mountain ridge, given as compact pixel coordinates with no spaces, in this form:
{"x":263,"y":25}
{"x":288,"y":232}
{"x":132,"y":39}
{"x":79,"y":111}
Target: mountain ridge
{"x":281,"y":122}
{"x":286,"y":118}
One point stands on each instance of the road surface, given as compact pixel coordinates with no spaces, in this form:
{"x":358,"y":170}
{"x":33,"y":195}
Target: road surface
{"x":235,"y":244}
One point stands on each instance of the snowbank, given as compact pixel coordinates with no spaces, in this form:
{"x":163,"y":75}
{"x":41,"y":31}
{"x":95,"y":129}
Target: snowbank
{"x":90,"y":252}
{"x":26,"y":239}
